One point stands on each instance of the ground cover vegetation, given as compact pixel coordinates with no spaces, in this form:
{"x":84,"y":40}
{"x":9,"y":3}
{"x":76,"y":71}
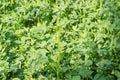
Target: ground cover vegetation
{"x":59,"y":39}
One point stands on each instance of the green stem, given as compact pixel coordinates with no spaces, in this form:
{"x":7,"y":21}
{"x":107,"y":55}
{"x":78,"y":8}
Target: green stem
{"x":101,"y":4}
{"x":59,"y":52}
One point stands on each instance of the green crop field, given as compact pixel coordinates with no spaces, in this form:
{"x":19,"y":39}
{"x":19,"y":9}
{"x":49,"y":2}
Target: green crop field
{"x":59,"y":39}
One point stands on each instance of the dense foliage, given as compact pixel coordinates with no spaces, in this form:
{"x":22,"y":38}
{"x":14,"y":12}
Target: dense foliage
{"x":59,"y":39}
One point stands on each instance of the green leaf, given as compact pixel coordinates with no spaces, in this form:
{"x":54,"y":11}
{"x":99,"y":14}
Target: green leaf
{"x":117,"y":73}
{"x":99,"y":77}
{"x":76,"y":78}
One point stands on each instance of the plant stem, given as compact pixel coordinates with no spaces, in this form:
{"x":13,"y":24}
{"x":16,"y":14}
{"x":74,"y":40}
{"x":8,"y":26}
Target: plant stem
{"x":59,"y":52}
{"x":101,"y":4}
